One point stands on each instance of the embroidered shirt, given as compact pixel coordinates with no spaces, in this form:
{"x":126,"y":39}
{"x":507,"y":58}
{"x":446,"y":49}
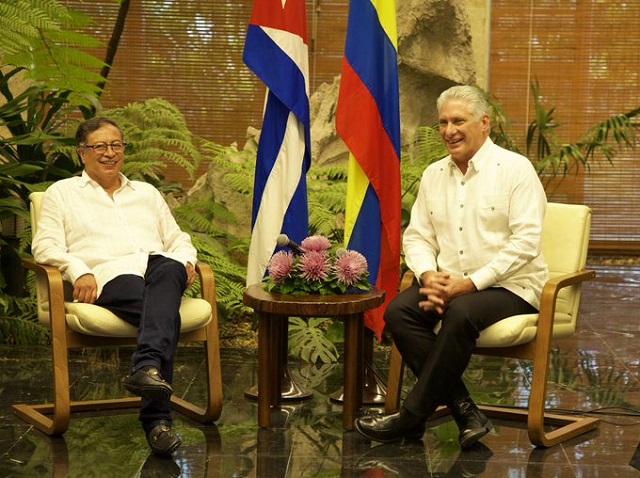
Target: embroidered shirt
{"x":82,"y":230}
{"x":484,"y":225}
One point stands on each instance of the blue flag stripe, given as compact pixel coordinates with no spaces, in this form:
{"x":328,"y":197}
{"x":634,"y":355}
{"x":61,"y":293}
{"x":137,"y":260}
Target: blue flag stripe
{"x":365,"y":236}
{"x":277,"y":70}
{"x":371,"y":54}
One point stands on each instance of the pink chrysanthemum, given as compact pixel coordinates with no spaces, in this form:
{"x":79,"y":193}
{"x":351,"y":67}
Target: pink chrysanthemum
{"x":350,"y":267}
{"x":280,"y":265}
{"x":314,"y":266}
{"x":316,"y":243}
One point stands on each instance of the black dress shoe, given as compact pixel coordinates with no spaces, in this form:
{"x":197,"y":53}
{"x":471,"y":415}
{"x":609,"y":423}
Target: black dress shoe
{"x":391,"y":428}
{"x":471,"y":461}
{"x":160,"y":467}
{"x":393,"y":460}
{"x":472,"y":423}
{"x":148,"y":383}
{"x":162,"y":440}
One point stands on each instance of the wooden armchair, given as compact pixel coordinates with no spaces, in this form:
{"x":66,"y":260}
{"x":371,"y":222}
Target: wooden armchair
{"x":78,"y":325}
{"x":565,"y":240}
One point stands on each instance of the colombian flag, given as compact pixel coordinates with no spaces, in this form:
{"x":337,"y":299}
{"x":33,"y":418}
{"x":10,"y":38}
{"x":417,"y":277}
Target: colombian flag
{"x":276,"y":51}
{"x":368,"y":121}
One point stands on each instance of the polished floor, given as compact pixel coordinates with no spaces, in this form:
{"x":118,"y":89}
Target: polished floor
{"x":595,"y":371}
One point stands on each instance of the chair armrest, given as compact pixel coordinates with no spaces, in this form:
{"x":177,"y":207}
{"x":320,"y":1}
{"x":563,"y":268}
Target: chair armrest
{"x":207,"y":282}
{"x":51,"y":276}
{"x":554,"y":286}
{"x":49,"y":271}
{"x":49,"y":282}
{"x":407,"y":280}
{"x":547,"y":312}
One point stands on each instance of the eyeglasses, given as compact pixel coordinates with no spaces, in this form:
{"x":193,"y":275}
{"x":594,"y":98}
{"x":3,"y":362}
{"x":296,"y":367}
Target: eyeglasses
{"x":101,"y":148}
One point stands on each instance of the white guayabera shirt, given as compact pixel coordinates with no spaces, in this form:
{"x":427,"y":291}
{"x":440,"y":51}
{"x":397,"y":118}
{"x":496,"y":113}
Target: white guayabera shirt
{"x":82,"y":230}
{"x":485,"y":225}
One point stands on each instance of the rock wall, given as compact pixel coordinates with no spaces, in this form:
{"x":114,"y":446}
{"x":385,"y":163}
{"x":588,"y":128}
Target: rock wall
{"x":435,"y":51}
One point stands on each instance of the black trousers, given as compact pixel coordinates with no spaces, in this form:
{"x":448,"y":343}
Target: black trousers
{"x":152,"y":304}
{"x":439,"y":360}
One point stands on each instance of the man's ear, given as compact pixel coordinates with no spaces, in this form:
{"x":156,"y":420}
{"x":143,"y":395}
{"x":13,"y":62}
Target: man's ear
{"x":79,"y":152}
{"x":486,"y":122}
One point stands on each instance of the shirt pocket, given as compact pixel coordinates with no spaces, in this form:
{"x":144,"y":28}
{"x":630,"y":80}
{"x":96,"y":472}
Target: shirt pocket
{"x":437,"y":212}
{"x":494,"y":211}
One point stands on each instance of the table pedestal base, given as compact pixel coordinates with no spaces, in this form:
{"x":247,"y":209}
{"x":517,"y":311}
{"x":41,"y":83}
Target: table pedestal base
{"x":290,"y":391}
{"x":374,"y":392}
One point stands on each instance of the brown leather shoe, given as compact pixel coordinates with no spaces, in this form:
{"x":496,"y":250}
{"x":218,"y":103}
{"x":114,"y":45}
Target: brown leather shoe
{"x":472,"y":423}
{"x":391,"y":428}
{"x":148,"y":383}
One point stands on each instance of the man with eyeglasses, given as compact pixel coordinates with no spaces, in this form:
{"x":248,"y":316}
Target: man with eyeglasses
{"x":116,"y":241}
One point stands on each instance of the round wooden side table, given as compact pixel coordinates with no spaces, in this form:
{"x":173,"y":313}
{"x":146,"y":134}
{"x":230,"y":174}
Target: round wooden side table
{"x":274,"y":311}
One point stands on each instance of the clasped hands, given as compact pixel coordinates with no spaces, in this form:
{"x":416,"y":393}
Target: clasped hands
{"x":85,"y":288}
{"x":439,"y":288}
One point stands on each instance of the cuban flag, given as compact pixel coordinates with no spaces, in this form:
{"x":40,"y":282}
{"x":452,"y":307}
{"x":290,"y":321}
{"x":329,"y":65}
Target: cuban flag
{"x":276,"y":51}
{"x":368,"y":121}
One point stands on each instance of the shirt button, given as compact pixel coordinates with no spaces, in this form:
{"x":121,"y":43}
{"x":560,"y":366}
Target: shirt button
{"x":459,"y":229}
{"x":465,"y":274}
{"x":461,"y":206}
{"x":461,"y":252}
{"x":462,"y":183}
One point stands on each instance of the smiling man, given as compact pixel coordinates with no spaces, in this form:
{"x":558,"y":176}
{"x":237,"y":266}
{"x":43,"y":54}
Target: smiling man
{"x":118,"y":245}
{"x":473,"y":242}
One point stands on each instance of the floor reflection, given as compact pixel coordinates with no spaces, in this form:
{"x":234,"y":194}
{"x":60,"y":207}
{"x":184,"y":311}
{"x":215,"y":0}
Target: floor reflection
{"x":595,"y":371}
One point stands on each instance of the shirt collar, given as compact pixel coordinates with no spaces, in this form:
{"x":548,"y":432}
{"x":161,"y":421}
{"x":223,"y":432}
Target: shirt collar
{"x":479,"y":158}
{"x":87,"y":181}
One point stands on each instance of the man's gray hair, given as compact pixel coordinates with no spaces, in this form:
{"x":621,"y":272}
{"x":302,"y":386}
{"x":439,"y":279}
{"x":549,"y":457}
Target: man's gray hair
{"x":478,"y":104}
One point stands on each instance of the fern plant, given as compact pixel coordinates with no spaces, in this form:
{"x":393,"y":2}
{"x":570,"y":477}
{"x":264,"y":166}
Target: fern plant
{"x":204,"y":220}
{"x":157,"y":134}
{"x":45,"y":78}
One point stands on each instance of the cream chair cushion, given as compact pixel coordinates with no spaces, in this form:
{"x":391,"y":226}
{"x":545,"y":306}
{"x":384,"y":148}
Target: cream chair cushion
{"x":95,"y":320}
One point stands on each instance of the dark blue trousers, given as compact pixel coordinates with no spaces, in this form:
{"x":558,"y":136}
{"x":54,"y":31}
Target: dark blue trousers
{"x":152,"y":304}
{"x":439,"y":360}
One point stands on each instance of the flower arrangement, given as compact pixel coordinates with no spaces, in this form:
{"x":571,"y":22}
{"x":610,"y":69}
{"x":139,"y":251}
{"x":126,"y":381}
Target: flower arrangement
{"x":318,"y":269}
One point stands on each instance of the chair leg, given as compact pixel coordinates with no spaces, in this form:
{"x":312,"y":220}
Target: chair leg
{"x":565,"y":426}
{"x":394,"y":381}
{"x":61,"y":408}
{"x":568,"y":426}
{"x":213,"y":407}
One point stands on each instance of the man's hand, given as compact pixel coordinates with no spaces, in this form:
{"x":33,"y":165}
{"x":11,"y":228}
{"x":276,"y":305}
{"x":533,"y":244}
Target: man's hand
{"x":458,"y":287}
{"x":440,"y":288}
{"x":191,"y":273}
{"x":434,"y":288}
{"x":85,"y":289}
